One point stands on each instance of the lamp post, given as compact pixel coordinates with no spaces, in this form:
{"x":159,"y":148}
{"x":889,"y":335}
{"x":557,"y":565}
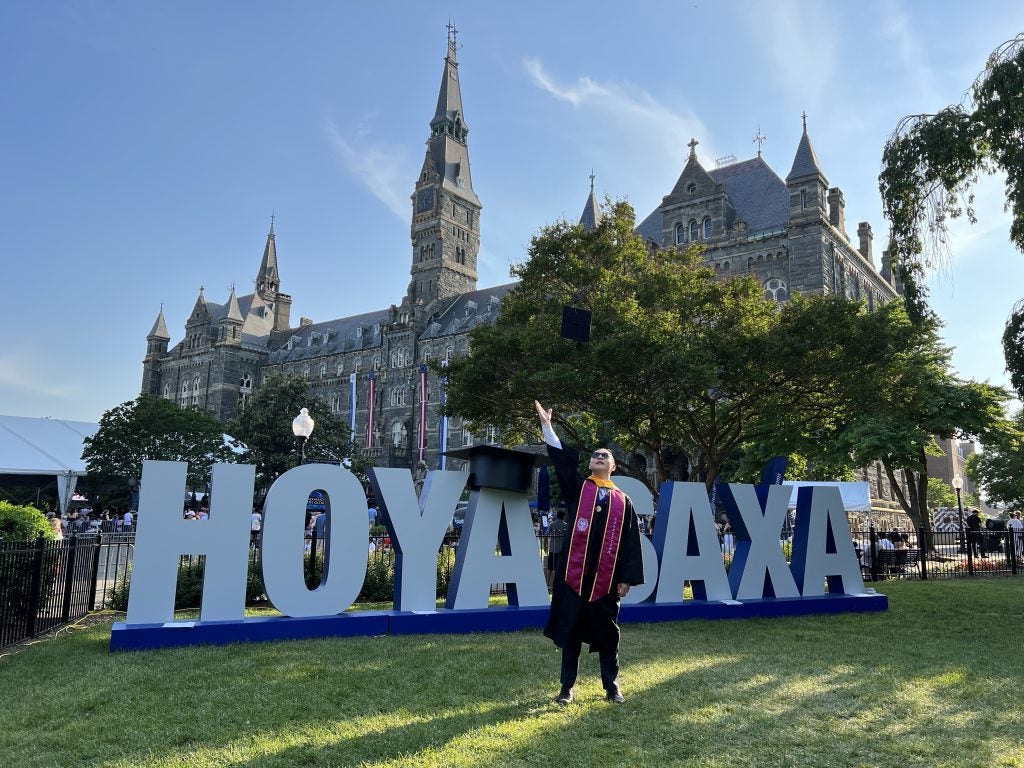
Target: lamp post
{"x":958,"y":485}
{"x":302,"y":427}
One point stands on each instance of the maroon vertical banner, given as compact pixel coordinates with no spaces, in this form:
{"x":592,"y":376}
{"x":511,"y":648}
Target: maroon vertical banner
{"x":371,"y":402}
{"x":423,"y":411}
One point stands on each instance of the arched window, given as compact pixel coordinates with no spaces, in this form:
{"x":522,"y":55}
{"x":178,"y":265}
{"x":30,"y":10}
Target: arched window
{"x":680,"y":234}
{"x":335,"y":403}
{"x":323,"y":370}
{"x":184,"y":392}
{"x":195,"y":391}
{"x":305,"y":371}
{"x":167,"y":391}
{"x":775,"y":289}
{"x":246,"y":383}
{"x":694,"y":231}
{"x":708,"y":228}
{"x":358,"y":365}
{"x":398,"y":433}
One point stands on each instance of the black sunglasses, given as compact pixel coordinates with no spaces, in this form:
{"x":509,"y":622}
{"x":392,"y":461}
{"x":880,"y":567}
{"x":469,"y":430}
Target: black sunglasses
{"x":600,"y":455}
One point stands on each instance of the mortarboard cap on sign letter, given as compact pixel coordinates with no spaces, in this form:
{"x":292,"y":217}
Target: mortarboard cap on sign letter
{"x":503,"y":468}
{"x":575,"y":323}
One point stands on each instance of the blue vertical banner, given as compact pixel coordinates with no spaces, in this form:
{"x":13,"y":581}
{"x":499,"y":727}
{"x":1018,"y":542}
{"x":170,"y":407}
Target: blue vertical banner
{"x":443,"y":425}
{"x":774,"y":471}
{"x":423,"y":413}
{"x":352,"y":405}
{"x":371,"y":401}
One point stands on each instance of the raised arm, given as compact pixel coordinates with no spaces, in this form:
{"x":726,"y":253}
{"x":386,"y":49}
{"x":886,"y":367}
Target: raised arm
{"x":545,"y":425}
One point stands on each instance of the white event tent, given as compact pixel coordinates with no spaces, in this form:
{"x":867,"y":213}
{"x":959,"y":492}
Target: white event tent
{"x":32,"y":447}
{"x":856,"y":495}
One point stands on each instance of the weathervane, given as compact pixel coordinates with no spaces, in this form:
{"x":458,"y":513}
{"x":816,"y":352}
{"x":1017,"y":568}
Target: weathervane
{"x":759,"y":140}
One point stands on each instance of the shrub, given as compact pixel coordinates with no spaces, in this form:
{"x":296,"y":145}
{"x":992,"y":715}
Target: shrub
{"x":188,"y":591}
{"x":23,"y":523}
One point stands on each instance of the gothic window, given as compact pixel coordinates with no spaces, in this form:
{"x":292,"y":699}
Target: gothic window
{"x":184,"y":392}
{"x":305,"y":371}
{"x":195,"y":391}
{"x":394,"y":358}
{"x":708,"y":228}
{"x":394,"y":396}
{"x":376,"y":362}
{"x":449,"y":352}
{"x":725,"y":266}
{"x":335,"y":403}
{"x":398,"y":433}
{"x":680,"y":234}
{"x":775,"y":289}
{"x":694,"y":231}
{"x":323,"y":370}
{"x":358,"y":365}
{"x":803,"y":198}
{"x":167,"y":391}
{"x":341,"y":368}
{"x":246,"y":383}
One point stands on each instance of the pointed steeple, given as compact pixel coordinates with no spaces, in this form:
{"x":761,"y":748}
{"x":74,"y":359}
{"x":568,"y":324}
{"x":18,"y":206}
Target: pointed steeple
{"x":447,"y":147}
{"x":234,"y":313}
{"x":591,"y":210}
{"x":199,"y":308}
{"x":806,"y":161}
{"x":268,"y":281}
{"x":159,"y":328}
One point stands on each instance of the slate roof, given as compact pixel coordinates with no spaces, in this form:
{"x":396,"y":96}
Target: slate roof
{"x":330,"y":337}
{"x":756,"y":192}
{"x":468,"y":311}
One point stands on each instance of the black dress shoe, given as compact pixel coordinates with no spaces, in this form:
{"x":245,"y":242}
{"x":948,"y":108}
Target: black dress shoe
{"x":564,"y":696}
{"x":615,"y":696}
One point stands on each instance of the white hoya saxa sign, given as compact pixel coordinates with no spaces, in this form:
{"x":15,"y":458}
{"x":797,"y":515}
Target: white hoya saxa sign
{"x":497,"y":546}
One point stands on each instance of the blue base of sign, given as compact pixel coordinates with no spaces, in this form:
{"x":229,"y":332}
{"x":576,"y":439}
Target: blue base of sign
{"x":141,"y":637}
{"x":138,"y":637}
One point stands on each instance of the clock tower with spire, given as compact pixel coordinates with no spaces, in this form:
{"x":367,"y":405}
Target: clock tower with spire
{"x":445,"y":210}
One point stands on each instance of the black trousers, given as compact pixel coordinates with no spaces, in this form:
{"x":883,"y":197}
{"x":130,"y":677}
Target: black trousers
{"x":571,"y":666}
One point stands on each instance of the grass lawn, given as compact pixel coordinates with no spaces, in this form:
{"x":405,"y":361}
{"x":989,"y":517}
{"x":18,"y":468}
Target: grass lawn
{"x":938,"y":680}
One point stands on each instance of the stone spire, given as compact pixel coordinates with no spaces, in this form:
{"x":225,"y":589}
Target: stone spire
{"x":159,"y":328}
{"x":591,"y":210}
{"x":268,"y":281}
{"x":234,"y":313}
{"x":447,"y":147}
{"x":806,"y":161}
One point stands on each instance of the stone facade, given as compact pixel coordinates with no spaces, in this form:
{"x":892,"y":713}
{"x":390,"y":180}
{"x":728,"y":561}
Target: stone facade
{"x":789,"y":233}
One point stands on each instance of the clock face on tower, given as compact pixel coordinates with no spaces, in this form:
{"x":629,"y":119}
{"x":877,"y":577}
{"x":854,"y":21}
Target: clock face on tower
{"x":424,"y":200}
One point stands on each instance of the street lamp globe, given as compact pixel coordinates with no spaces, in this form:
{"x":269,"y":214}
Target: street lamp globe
{"x":302,"y":425}
{"x":957,"y":482}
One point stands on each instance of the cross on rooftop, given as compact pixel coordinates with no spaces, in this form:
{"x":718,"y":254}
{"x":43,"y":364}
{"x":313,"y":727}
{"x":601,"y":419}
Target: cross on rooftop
{"x":759,"y":140}
{"x":693,"y":147}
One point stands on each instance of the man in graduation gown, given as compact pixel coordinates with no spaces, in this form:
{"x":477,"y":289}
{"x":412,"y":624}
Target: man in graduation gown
{"x":600,"y":560}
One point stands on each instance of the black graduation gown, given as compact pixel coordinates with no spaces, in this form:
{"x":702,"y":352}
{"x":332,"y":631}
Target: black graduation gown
{"x":597,"y":622}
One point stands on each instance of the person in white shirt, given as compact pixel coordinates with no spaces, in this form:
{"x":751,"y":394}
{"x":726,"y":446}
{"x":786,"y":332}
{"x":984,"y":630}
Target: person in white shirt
{"x":1015,"y":527}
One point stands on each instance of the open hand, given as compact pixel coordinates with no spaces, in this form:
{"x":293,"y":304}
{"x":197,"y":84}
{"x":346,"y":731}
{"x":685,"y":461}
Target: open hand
{"x":545,"y":415}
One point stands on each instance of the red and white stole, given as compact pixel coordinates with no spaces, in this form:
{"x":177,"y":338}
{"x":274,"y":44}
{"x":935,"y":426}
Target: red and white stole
{"x":580,"y":540}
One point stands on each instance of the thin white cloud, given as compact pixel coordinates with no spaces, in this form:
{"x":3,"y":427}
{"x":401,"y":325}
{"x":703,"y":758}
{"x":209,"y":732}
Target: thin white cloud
{"x":384,"y":170}
{"x":22,"y":375}
{"x":897,"y":33}
{"x":631,"y":108}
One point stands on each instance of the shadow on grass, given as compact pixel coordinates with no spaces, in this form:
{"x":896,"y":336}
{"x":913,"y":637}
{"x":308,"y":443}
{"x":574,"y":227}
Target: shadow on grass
{"x":919,"y":685}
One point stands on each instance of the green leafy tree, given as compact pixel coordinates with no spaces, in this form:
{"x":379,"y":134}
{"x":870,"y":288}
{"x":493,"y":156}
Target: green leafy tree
{"x":999,"y":469}
{"x":682,"y":368}
{"x":930,"y":166}
{"x":264,"y":430}
{"x":151,"y":427}
{"x":942,"y":494}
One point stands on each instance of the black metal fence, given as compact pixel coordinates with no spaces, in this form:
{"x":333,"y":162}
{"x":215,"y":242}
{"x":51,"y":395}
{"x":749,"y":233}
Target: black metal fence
{"x":45,"y":584}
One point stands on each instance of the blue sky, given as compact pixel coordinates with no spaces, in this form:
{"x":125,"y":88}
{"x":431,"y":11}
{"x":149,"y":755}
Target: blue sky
{"x":145,"y":146}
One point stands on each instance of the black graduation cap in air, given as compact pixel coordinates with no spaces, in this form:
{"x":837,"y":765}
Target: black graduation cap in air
{"x":576,"y":323}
